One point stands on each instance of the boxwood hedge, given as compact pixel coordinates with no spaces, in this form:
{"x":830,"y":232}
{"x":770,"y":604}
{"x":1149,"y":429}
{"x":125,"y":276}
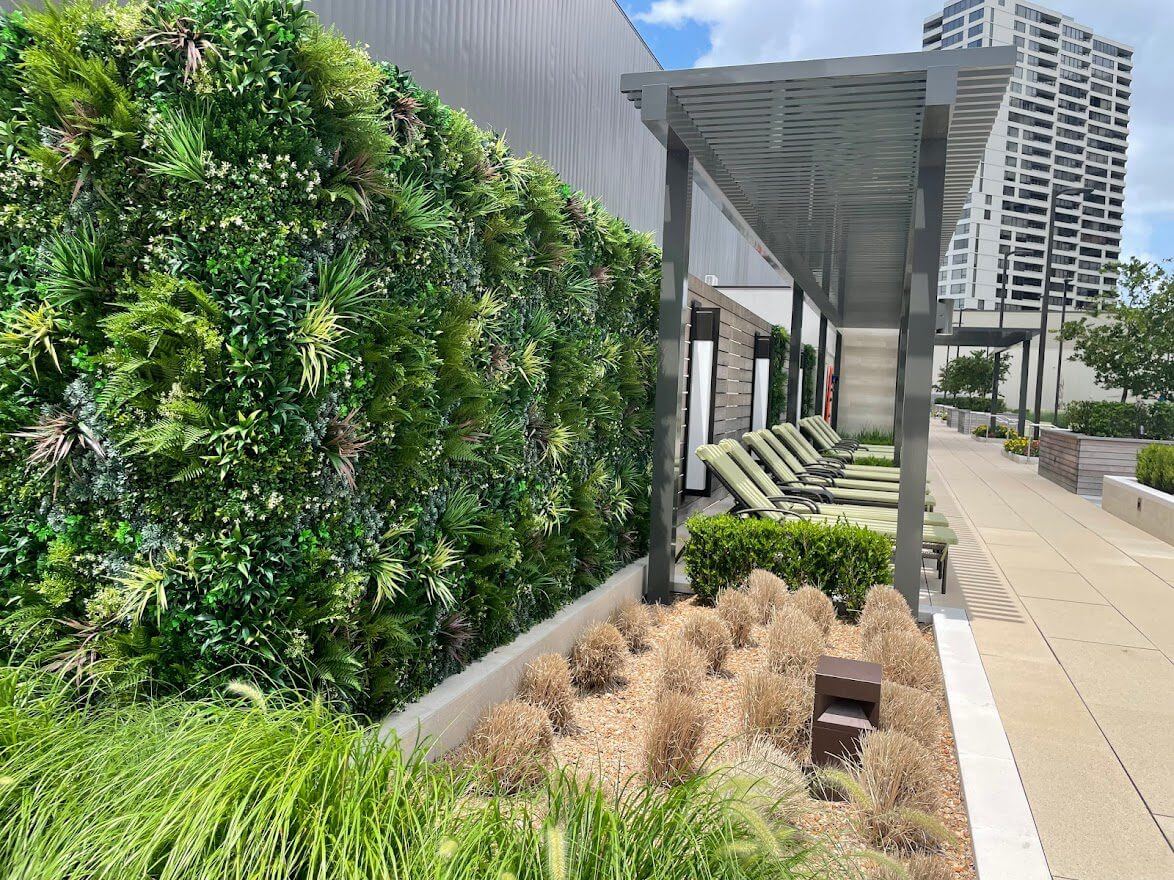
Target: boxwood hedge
{"x":303,"y":377}
{"x":842,"y":560}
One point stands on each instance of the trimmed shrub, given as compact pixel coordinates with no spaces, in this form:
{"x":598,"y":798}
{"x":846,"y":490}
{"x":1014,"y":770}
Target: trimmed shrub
{"x":1103,"y":418}
{"x":768,"y":593}
{"x":777,"y":707}
{"x":633,"y":619}
{"x":912,"y":712}
{"x":1155,"y":467}
{"x":1002,"y":432}
{"x":304,"y":377}
{"x":840,"y":559}
{"x":974,"y":404}
{"x":739,"y":614}
{"x":794,"y":642}
{"x":672,"y":741}
{"x":815,"y":605}
{"x":682,"y":667}
{"x":546,"y":682}
{"x":511,"y":745}
{"x":597,"y":657}
{"x":711,"y":636}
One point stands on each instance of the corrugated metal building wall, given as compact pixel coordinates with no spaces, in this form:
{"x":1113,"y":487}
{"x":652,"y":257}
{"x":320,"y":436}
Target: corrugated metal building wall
{"x":546,"y":73}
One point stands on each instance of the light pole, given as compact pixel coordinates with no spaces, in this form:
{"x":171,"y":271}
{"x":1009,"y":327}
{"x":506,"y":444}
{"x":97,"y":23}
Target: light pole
{"x":1002,"y":311}
{"x":1060,"y":342}
{"x":1045,"y":298}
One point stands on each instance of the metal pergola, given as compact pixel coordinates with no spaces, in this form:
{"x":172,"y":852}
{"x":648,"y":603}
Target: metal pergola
{"x":1000,"y":339}
{"x":849,"y":174}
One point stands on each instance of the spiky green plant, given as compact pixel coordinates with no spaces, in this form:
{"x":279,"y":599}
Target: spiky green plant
{"x":181,"y":148}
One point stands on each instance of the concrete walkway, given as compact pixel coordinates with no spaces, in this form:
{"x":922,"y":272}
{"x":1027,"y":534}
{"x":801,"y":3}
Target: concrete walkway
{"x":1073,"y":613}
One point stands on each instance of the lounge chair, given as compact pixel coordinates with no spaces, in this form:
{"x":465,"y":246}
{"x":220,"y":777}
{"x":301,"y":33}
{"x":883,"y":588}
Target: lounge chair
{"x":836,"y":469}
{"x":823,"y":436}
{"x":841,"y":489}
{"x":751,"y":500}
{"x":824,"y":496}
{"x":807,"y":454}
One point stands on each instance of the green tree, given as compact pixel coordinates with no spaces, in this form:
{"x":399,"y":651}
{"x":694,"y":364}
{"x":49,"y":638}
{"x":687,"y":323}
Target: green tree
{"x":1133,"y":349}
{"x":972,"y":373}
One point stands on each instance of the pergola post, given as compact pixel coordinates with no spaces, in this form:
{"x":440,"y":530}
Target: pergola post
{"x":899,"y":392}
{"x":795,"y":355}
{"x":926,"y":250}
{"x":1024,"y":374}
{"x":836,"y":364}
{"x":674,"y":291}
{"x":820,"y":361}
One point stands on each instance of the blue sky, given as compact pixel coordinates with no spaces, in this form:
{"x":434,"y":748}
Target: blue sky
{"x":700,"y":33}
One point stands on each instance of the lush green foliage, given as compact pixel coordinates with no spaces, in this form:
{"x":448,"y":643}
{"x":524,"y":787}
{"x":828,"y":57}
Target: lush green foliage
{"x":809,"y":405}
{"x":842,"y":560}
{"x":1155,"y":467}
{"x":1020,"y":445}
{"x":179,"y":790}
{"x":1134,"y":349}
{"x":872,"y":461}
{"x":872,"y":436}
{"x":776,"y":399}
{"x":975,"y":404}
{"x":1102,"y":418}
{"x":1001,"y":431}
{"x":302,"y":375}
{"x":971,"y":374}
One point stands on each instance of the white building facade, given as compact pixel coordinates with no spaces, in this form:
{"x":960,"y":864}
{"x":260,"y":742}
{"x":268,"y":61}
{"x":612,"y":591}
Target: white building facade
{"x":1063,"y":126}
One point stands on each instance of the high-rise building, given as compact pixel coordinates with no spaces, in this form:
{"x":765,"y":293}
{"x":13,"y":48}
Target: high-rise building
{"x":1062,"y":127}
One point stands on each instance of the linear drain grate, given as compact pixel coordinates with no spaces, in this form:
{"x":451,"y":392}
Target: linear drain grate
{"x":986,"y":595}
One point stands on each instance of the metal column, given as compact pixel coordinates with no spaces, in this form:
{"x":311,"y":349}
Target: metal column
{"x":820,"y":361}
{"x":926,"y":251}
{"x":793,"y":358}
{"x":1024,"y":375}
{"x":899,"y":390}
{"x":836,"y":363}
{"x":674,"y":291}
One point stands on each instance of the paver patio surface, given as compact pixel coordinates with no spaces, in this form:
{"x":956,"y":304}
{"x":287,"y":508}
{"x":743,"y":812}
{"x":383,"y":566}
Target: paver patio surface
{"x":1073,"y":613}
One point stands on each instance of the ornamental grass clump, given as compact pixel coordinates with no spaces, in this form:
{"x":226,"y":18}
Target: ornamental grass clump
{"x":681,"y":667}
{"x":634,"y":621}
{"x":767,"y":591}
{"x":306,"y":378}
{"x":816,"y":605}
{"x":709,"y":633}
{"x":510,"y":746}
{"x":793,"y":642}
{"x":546,"y":682}
{"x":906,"y":658}
{"x":778,"y":708}
{"x":738,"y":613}
{"x":277,"y":789}
{"x":910,"y":711}
{"x":597,"y":657}
{"x":672,"y":739}
{"x":773,"y":780}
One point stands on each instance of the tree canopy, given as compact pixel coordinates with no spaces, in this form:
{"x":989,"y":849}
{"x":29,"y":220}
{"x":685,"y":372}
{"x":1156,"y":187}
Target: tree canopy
{"x":971,"y":373}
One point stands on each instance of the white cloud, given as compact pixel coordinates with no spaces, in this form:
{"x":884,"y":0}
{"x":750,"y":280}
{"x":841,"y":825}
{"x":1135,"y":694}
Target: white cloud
{"x":750,"y":31}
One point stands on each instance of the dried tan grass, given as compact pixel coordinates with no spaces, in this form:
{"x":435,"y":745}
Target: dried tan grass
{"x":910,"y":711}
{"x":738,"y":613}
{"x":682,"y":667}
{"x":894,"y":792}
{"x":793,"y":642}
{"x":767,"y":591}
{"x":707,"y":631}
{"x":510,"y":746}
{"x":816,"y":605}
{"x":778,"y":708}
{"x":885,"y":618}
{"x":672,"y":739}
{"x":906,"y":658}
{"x":597,"y":658}
{"x":546,"y":682}
{"x":634,"y":621}
{"x":772,"y":781}
{"x":883,"y":596}
{"x":919,"y":866}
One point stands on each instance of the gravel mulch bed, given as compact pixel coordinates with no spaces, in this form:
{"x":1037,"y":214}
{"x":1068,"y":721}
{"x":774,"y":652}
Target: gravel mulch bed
{"x":607,"y":739}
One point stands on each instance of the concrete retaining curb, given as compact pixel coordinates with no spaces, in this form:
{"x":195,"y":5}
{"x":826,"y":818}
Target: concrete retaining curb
{"x":1006,"y":842}
{"x":1150,"y":509}
{"x":446,"y":714}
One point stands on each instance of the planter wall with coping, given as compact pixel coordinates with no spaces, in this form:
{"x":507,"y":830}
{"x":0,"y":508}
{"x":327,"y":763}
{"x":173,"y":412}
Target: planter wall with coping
{"x":445,"y":715}
{"x":1080,"y":462}
{"x":969,"y":419}
{"x":1150,"y":509}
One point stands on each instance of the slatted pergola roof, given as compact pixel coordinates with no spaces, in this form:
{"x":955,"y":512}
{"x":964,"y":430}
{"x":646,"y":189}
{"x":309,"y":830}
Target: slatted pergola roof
{"x":817,"y":160}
